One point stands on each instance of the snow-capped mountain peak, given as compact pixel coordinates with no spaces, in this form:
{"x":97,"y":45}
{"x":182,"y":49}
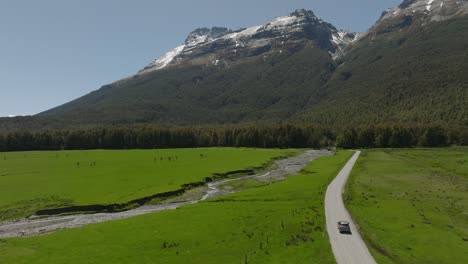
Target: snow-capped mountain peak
{"x":221,"y":46}
{"x":295,"y":19}
{"x":427,"y":10}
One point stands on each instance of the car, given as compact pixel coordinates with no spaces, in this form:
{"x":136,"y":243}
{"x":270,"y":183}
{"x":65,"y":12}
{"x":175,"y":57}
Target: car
{"x":344,"y":227}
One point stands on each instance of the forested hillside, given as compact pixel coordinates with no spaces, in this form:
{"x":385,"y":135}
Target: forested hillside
{"x":273,"y":87}
{"x":414,"y":75}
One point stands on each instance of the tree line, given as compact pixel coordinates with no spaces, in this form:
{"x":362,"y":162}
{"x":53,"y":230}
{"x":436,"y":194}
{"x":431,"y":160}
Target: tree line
{"x":267,"y":136}
{"x":401,"y":137}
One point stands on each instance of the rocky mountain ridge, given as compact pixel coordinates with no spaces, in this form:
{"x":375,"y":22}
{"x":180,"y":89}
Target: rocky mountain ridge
{"x":222,"y":46}
{"x":419,"y":13}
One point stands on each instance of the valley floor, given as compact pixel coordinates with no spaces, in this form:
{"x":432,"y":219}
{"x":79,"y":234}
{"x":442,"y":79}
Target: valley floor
{"x":34,"y":181}
{"x":412,"y":204}
{"x":37,"y":225}
{"x":278,"y":223}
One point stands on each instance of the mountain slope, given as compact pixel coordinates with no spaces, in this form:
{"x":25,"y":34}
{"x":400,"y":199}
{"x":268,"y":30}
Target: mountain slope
{"x":271,"y":87}
{"x":411,"y":73}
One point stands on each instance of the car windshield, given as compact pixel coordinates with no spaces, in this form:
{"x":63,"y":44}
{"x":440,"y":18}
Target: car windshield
{"x":344,"y":223}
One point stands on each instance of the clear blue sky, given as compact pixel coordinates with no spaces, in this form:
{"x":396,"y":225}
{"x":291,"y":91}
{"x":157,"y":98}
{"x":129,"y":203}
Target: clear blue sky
{"x":53,"y":51}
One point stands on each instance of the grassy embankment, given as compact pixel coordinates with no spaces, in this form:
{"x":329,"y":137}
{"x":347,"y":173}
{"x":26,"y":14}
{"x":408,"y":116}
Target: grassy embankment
{"x":412,"y":204}
{"x":31,"y":181}
{"x":279,"y":223}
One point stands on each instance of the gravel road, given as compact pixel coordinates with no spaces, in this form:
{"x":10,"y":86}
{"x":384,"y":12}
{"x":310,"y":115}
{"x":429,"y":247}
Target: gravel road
{"x":34,"y":226}
{"x":348,"y":249}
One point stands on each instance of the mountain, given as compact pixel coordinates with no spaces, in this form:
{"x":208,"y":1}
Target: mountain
{"x":420,"y":12}
{"x":222,"y":76}
{"x":410,"y":67}
{"x":222,"y":46}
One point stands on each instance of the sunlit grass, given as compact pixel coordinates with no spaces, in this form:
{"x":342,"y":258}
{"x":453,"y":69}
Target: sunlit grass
{"x":280,"y":223}
{"x":412,"y":204}
{"x":30,"y":181}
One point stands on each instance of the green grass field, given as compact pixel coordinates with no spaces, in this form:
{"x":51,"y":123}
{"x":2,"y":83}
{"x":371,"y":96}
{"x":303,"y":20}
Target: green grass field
{"x":412,"y":205}
{"x":31,"y":181}
{"x":279,"y":223}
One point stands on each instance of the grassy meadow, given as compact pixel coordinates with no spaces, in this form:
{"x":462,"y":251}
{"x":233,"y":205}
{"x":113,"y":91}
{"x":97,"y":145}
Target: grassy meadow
{"x":31,"y":181}
{"x":412,"y":204}
{"x":280,"y":223}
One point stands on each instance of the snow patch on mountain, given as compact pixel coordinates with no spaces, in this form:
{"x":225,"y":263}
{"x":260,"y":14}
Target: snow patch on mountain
{"x":164,"y":60}
{"x":433,"y":10}
{"x":342,"y":39}
{"x":429,"y":4}
{"x":243,"y":33}
{"x":282,"y":22}
{"x":197,"y":40}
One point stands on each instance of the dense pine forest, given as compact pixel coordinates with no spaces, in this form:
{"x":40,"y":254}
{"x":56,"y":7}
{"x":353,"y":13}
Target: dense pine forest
{"x":263,"y":136}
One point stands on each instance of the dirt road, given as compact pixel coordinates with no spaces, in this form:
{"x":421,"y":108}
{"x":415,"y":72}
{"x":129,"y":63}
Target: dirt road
{"x":34,"y":226}
{"x":348,"y":249}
